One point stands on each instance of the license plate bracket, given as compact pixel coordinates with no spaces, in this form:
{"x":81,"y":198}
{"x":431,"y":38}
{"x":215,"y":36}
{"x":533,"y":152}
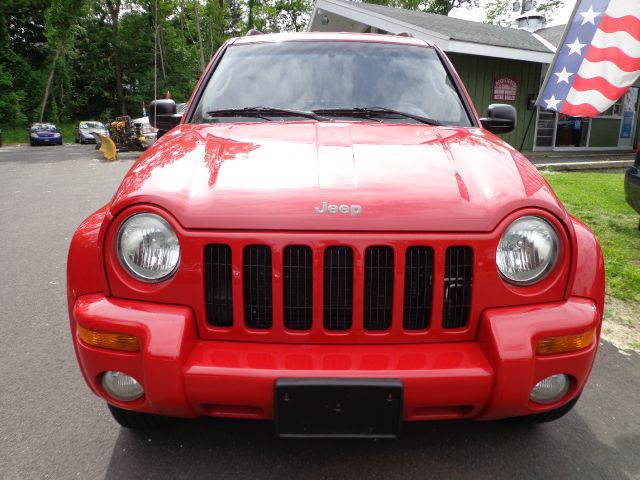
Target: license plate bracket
{"x":330,"y":407}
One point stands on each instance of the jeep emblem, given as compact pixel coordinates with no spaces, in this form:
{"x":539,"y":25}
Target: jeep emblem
{"x":352,"y":210}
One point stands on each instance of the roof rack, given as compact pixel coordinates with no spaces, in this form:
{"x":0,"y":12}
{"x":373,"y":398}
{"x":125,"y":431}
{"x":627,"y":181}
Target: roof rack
{"x":252,"y":32}
{"x":403,"y":34}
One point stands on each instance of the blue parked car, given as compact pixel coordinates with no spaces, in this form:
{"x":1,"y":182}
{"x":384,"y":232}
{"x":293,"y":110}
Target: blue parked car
{"x":632,"y":184}
{"x":44,"y":134}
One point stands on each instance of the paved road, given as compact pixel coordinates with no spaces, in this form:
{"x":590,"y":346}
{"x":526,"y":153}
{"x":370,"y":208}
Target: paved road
{"x":51,"y":426}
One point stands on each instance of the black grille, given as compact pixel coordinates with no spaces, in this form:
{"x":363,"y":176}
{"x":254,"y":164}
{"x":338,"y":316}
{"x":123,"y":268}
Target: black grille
{"x":258,"y":311}
{"x":338,"y":288}
{"x":418,"y":288}
{"x":378,"y":288}
{"x":218,"y":294}
{"x":298,"y":287}
{"x":457,"y":287}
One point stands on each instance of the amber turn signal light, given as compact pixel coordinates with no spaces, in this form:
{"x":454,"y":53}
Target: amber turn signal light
{"x":110,"y":340}
{"x":566,"y":343}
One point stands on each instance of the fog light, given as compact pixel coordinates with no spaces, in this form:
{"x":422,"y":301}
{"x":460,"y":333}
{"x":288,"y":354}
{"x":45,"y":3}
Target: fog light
{"x":121,"y":386}
{"x":550,"y":390}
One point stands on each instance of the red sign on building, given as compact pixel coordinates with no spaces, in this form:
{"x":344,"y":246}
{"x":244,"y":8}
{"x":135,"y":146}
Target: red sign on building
{"x":505,"y":89}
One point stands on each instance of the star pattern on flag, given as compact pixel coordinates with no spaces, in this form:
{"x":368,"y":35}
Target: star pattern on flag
{"x":576,"y":47}
{"x":552,"y":103}
{"x":564,"y":75}
{"x":589,"y":16}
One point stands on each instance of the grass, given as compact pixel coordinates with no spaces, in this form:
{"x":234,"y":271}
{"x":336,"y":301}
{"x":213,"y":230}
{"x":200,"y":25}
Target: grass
{"x":12,"y":136}
{"x":598,"y":200}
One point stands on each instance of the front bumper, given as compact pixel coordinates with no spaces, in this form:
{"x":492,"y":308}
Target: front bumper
{"x":632,"y":187}
{"x":88,"y":138}
{"x":184,"y":376}
{"x":46,"y":140}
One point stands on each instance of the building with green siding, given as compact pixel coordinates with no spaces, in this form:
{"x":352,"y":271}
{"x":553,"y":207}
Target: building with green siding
{"x":497,"y":65}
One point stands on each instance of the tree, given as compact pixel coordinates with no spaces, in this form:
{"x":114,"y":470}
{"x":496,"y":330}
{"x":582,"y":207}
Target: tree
{"x":440,"y":7}
{"x":550,"y":7}
{"x":196,"y":8}
{"x":113,"y":7}
{"x":499,"y":12}
{"x":61,"y":19}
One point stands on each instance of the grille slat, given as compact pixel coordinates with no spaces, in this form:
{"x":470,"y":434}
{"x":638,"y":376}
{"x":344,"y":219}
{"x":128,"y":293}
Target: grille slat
{"x":338,"y":288}
{"x":457,"y":287}
{"x":258,"y":310}
{"x":218,"y":291}
{"x":378,"y":288}
{"x":418,"y":288}
{"x":298,"y":287}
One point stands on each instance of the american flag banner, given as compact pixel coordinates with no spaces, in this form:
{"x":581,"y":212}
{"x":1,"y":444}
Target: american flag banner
{"x":598,"y":59}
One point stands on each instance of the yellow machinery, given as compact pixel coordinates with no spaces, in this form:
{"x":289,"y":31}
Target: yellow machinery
{"x":124,"y":136}
{"x":108,"y":148}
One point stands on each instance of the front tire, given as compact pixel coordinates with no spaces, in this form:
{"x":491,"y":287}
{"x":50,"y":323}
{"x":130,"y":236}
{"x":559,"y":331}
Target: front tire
{"x":137,"y":420}
{"x":551,"y":415}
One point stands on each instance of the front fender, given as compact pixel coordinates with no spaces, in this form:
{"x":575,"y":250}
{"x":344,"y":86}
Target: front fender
{"x":85,"y":268}
{"x":85,"y":265}
{"x":589,"y":278}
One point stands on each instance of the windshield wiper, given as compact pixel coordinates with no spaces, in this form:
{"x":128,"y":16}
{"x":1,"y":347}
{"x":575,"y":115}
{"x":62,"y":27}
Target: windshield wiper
{"x":265,"y":112}
{"x":374,"y":111}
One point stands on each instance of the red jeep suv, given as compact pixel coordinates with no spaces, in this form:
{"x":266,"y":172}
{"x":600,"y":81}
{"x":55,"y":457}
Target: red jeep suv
{"x":331,"y":238}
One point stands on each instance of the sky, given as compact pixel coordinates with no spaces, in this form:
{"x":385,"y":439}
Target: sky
{"x":561,"y":18}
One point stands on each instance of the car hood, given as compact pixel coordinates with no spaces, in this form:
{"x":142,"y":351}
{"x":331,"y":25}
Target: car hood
{"x":288,"y":176}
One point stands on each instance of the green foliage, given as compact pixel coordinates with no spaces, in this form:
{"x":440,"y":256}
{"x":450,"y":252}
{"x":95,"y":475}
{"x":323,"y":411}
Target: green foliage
{"x":498,"y":12}
{"x":73,"y":43}
{"x":549,"y":7}
{"x":440,"y":7}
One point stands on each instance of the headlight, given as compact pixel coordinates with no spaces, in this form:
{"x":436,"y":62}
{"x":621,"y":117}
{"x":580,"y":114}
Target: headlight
{"x":148,"y":247}
{"x":527,"y":251}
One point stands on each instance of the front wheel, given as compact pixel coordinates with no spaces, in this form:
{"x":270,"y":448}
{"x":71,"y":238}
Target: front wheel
{"x":551,"y":415}
{"x":137,"y":420}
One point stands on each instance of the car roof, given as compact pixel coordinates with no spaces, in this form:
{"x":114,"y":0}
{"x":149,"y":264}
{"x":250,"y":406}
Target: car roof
{"x":330,"y":37}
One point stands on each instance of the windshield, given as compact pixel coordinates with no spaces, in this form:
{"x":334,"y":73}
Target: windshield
{"x":91,"y":125}
{"x":43,"y":127}
{"x":326,"y":76}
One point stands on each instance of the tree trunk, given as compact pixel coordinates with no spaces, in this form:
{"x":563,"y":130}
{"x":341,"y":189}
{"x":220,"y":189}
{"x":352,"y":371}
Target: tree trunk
{"x":118,"y":63}
{"x":114,"y":12}
{"x":162,"y":54}
{"x":200,"y":48}
{"x":250,"y":15}
{"x":47,"y":89}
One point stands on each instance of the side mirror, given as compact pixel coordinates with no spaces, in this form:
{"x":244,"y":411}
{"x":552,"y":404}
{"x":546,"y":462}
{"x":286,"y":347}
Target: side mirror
{"x":501,"y":118}
{"x":162,"y":115}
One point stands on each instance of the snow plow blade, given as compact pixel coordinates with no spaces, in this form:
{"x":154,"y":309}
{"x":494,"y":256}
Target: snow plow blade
{"x":108,"y":148}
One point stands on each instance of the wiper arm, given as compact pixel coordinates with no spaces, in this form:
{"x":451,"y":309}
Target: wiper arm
{"x":373,"y":111}
{"x":264,"y":112}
